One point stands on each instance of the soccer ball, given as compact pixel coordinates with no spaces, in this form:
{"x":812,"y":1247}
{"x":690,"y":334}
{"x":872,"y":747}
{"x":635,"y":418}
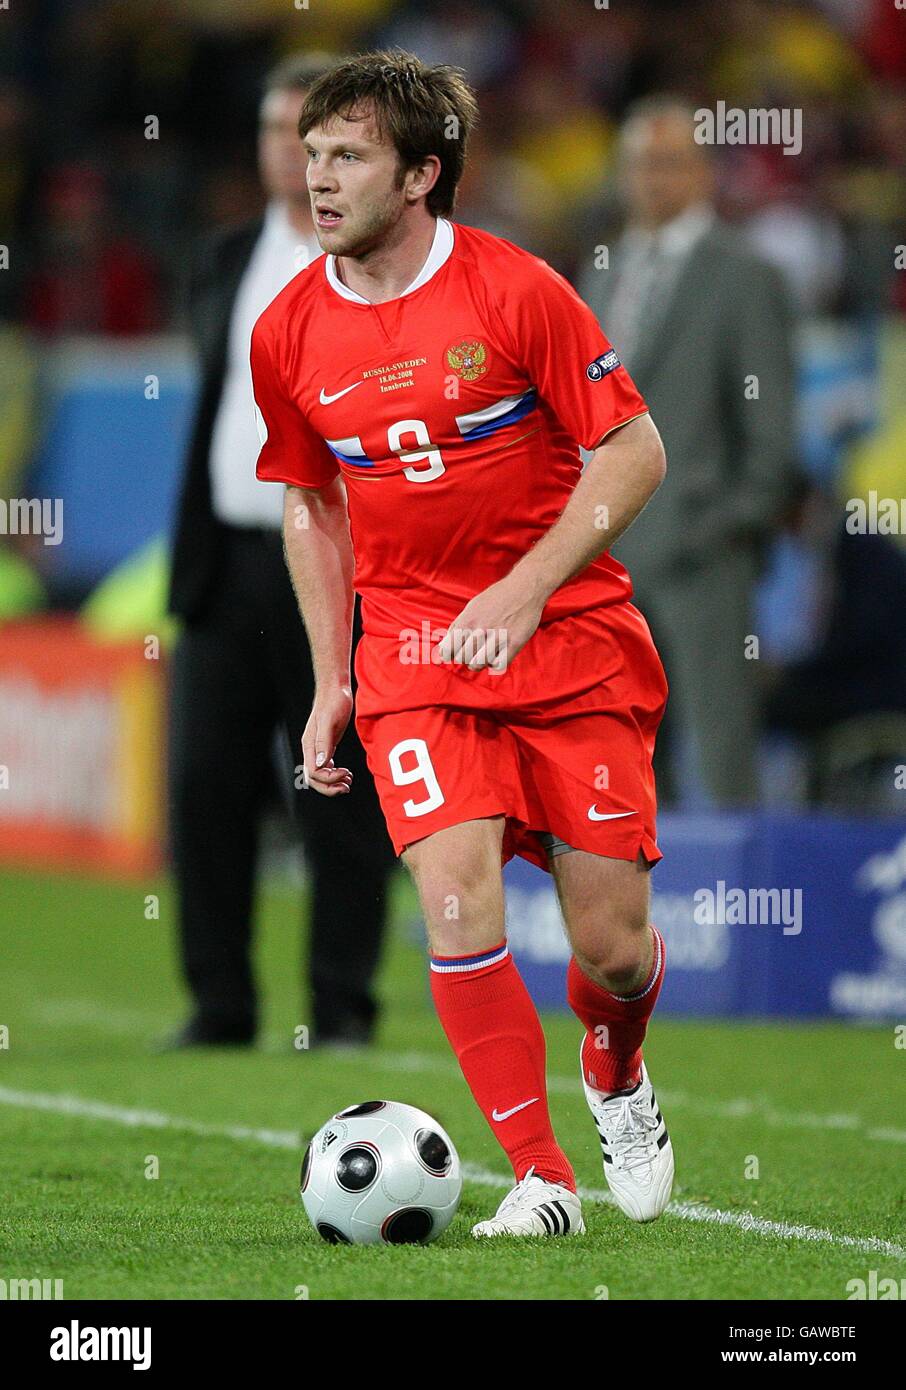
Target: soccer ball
{"x":381,"y":1173}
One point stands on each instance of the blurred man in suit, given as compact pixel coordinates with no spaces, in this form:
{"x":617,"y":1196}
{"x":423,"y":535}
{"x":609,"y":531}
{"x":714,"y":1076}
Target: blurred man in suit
{"x":705,"y":329}
{"x":241,"y":670}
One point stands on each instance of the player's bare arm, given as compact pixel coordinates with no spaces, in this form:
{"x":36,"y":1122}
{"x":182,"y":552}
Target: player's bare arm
{"x":623,"y":474}
{"x":320,"y":562}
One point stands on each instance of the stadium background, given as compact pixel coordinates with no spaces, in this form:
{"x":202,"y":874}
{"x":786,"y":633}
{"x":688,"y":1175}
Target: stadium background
{"x":97,"y":390}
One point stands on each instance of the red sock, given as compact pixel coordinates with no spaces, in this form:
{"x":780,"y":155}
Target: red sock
{"x":616,"y":1023}
{"x":493,"y":1028}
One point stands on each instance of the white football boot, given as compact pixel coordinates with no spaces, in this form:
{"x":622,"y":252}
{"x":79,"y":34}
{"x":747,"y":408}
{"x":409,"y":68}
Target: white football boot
{"x":535,"y":1208}
{"x":638,"y":1155}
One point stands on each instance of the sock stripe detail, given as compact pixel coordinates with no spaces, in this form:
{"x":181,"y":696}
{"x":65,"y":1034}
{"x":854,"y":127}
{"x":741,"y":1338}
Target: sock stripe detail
{"x":457,"y":965}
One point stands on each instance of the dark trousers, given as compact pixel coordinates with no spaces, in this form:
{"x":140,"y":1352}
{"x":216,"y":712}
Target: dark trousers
{"x":241,"y":676}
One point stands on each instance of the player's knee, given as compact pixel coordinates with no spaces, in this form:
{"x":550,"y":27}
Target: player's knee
{"x":613,"y":952}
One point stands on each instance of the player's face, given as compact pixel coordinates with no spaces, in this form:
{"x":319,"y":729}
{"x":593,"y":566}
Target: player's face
{"x":358,"y":189}
{"x":281,"y":157}
{"x":664,"y":171}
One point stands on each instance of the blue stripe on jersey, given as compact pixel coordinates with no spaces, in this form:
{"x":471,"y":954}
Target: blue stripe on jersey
{"x":496,"y":417}
{"x":350,"y":451}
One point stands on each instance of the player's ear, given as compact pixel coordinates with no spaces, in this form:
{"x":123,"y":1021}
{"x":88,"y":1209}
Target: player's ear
{"x":421,"y":178}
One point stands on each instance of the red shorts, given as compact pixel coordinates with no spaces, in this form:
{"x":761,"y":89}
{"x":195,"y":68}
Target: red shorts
{"x":560,"y":742}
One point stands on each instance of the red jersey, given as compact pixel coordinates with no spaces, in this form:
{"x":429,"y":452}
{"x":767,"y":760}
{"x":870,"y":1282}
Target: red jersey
{"x":454,"y":414}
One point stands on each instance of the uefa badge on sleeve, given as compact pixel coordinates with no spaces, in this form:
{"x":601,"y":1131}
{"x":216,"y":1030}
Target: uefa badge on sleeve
{"x":602,"y":365}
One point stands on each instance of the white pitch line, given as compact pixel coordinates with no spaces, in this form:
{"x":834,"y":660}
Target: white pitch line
{"x":89,"y":1012}
{"x":785,"y":1230}
{"x":742,"y":1220}
{"x":288,"y":1139}
{"x":740,"y":1108}
{"x":144,"y":1119}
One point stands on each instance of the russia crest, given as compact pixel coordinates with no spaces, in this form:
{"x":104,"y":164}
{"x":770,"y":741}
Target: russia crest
{"x":468,"y":359}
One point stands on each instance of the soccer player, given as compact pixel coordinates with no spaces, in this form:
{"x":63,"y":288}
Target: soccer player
{"x":423,"y":391}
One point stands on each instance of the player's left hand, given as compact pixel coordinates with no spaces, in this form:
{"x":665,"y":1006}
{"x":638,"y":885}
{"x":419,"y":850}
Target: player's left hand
{"x":492,"y":629}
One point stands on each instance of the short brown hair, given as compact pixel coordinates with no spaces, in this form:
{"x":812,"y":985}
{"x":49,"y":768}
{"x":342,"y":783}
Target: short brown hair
{"x":421,"y":110}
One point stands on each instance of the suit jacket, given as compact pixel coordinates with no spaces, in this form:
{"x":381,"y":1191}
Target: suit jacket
{"x":213,"y":285}
{"x":730,"y":460}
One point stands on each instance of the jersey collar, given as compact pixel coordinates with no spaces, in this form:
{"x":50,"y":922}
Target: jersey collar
{"x":441,"y":247}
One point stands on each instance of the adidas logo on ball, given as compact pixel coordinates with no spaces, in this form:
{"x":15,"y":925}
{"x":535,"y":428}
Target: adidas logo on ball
{"x":387,"y":1175}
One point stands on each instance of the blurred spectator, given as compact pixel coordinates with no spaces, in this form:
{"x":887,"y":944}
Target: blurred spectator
{"x":14,"y":182}
{"x":884,"y":39}
{"x":505,"y":195}
{"x":845,"y":700}
{"x":697,"y":319}
{"x":807,"y":247}
{"x":88,"y":279}
{"x":843,"y":693}
{"x":478,"y":38}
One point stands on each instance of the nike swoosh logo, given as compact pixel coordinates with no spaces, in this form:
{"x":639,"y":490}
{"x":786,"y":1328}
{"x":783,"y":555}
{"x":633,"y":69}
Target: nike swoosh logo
{"x":499,"y":1115}
{"x":329,"y":400}
{"x":611,"y":815}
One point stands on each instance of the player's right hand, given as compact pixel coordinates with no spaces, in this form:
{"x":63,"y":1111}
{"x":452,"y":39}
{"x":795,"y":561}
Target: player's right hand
{"x":326,"y":725}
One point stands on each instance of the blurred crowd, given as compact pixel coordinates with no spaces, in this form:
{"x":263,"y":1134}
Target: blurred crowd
{"x":128,"y":125}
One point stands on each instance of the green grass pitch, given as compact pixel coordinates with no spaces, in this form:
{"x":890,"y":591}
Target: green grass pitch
{"x":88,"y":982}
